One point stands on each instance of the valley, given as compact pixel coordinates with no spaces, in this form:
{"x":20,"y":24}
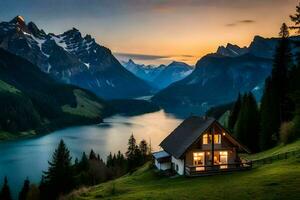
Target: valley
{"x":149,"y":100}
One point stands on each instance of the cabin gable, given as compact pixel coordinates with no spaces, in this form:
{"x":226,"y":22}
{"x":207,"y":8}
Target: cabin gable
{"x":202,"y":145}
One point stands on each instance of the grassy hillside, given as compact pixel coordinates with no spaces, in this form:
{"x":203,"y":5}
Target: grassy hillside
{"x":295,"y":146}
{"x":279,"y":180}
{"x":31,"y":102}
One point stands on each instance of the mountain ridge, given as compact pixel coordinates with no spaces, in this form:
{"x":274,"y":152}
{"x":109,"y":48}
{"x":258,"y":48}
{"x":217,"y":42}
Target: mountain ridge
{"x":72,"y":58}
{"x":219,"y":77}
{"x":159,"y":76}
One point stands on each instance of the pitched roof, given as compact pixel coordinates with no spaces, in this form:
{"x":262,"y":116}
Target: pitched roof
{"x":185,"y":135}
{"x":188,"y":132}
{"x":160,"y":154}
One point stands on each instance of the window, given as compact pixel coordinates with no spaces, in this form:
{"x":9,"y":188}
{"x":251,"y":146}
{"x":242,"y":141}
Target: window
{"x":198,"y":158}
{"x":223,"y":159}
{"x":205,"y":139}
{"x":217,"y":139}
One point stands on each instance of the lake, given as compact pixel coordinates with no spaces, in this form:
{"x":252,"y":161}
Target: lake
{"x":28,"y":157}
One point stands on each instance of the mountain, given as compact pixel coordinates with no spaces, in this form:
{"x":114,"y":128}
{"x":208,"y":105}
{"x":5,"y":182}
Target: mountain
{"x":159,"y":76}
{"x":217,"y":80}
{"x":72,"y":58}
{"x":231,"y":50}
{"x":31,"y":101}
{"x":175,"y":71}
{"x":260,"y":47}
{"x":145,"y":72}
{"x":219,"y":77}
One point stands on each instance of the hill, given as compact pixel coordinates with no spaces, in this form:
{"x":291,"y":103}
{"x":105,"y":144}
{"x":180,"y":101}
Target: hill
{"x":32,"y":102}
{"x":279,"y":180}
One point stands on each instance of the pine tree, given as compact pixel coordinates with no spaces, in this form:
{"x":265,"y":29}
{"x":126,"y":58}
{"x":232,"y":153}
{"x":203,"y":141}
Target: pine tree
{"x":92,"y":155}
{"x":247,"y":125}
{"x":84,"y":163}
{"x":24,"y":192}
{"x":109,"y":161}
{"x":144,"y":149}
{"x":275,"y":104}
{"x":234,"y":113}
{"x":269,"y":119}
{"x":5,"y":192}
{"x":296,"y":19}
{"x":59,"y":178}
{"x":131,"y":153}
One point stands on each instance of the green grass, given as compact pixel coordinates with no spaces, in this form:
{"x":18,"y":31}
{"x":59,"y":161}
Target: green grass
{"x":279,"y":180}
{"x":295,"y":146}
{"x":10,"y":136}
{"x":85,"y":106}
{"x":6,"y":87}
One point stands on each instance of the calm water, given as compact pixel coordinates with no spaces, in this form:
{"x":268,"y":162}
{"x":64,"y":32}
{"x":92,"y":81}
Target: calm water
{"x":28,"y":157}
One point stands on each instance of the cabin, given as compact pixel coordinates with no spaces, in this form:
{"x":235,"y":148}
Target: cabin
{"x":200,"y":146}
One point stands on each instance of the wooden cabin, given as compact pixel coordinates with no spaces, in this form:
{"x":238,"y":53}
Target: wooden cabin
{"x":200,"y":146}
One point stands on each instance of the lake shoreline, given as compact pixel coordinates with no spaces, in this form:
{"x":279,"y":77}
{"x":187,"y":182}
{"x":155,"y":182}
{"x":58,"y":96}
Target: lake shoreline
{"x":33,"y":134}
{"x":28,"y":156}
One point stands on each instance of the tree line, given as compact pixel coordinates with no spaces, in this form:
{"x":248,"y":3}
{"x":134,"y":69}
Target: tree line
{"x":63,"y":175}
{"x":277,"y":118}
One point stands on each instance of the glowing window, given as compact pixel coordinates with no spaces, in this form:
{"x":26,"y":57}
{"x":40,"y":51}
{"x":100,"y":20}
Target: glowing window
{"x":217,"y":139}
{"x":198,"y":158}
{"x":223,"y":158}
{"x":205,"y":139}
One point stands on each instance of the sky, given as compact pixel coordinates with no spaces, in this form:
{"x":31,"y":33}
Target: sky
{"x":157,"y":31}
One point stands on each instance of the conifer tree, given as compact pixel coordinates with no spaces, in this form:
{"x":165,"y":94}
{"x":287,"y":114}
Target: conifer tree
{"x":131,"y":153}
{"x":92,"y":155}
{"x":144,"y":149}
{"x":84,"y":163}
{"x":247,"y":125}
{"x":296,"y":19}
{"x":5,"y":191}
{"x":234,"y":113}
{"x":59,"y":178}
{"x":269,"y":119}
{"x":24,"y":192}
{"x":275,"y":103}
{"x":109,"y":160}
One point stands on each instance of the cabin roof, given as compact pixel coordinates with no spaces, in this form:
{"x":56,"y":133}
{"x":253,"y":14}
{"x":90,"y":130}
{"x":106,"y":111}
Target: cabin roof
{"x":160,"y":154}
{"x":187,"y":133}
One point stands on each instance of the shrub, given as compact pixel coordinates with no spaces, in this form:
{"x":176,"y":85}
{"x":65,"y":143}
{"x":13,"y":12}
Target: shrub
{"x":287,"y":133}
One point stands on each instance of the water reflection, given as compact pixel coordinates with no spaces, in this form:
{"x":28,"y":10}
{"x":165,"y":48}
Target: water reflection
{"x":28,"y":157}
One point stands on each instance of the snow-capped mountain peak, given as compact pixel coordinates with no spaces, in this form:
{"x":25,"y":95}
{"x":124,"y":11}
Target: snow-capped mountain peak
{"x":72,"y":58}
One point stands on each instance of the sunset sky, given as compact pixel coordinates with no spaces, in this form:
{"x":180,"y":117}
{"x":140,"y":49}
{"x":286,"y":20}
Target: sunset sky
{"x":153,"y":31}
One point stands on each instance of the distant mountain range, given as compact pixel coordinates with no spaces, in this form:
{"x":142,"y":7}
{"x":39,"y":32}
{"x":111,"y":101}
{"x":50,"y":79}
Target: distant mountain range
{"x":219,"y":77}
{"x":159,"y":76}
{"x":72,"y":58}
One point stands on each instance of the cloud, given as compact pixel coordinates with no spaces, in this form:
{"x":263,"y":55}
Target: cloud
{"x":241,"y":22}
{"x":247,"y":21}
{"x":150,"y":56}
{"x":141,"y":56}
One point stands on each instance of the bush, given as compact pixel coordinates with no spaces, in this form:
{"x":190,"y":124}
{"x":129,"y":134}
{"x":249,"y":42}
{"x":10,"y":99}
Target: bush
{"x":287,"y":133}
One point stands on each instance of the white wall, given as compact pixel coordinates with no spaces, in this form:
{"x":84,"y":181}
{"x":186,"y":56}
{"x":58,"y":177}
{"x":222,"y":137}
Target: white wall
{"x":180,"y":164}
{"x":162,"y":166}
